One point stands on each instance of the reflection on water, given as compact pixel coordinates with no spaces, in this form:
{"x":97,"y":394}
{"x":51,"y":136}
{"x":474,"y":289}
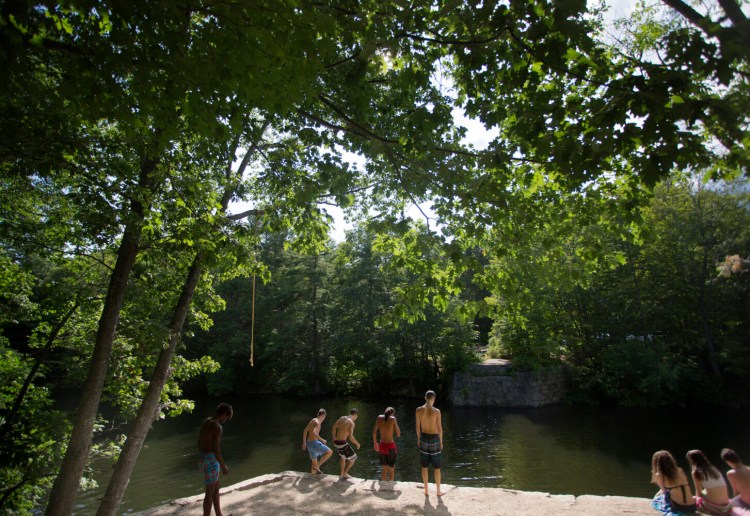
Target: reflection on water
{"x":560,"y":450}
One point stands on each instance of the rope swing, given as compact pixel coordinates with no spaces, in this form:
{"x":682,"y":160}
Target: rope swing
{"x":252,"y":323}
{"x":252,"y":299}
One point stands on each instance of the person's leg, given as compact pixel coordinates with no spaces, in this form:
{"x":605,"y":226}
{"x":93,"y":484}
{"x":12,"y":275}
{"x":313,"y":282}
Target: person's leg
{"x":212,"y":493}
{"x":208,"y":500}
{"x":315,"y":468}
{"x":392,"y":464}
{"x":384,"y":472}
{"x":437,"y":482}
{"x":217,"y":502}
{"x":425,"y":478}
{"x":349,"y":466}
{"x":324,"y":458}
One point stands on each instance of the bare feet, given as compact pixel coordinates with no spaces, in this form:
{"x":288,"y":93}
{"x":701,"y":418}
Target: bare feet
{"x":440,"y":494}
{"x":316,"y":471}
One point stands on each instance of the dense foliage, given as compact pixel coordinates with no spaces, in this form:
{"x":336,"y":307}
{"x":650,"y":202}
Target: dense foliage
{"x":662,"y":328}
{"x":322,"y":326}
{"x":128,"y":128}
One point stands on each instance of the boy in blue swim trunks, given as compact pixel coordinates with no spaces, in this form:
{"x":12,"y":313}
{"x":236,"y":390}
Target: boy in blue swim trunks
{"x":314,"y":444}
{"x":211,"y":462}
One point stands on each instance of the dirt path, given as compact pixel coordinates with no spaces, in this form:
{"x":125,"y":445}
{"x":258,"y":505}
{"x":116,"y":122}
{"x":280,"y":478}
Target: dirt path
{"x":301,"y":493}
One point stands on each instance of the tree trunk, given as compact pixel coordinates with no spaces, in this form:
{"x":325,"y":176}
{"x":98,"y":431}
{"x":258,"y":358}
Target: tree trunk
{"x":65,"y":488}
{"x":149,"y":408}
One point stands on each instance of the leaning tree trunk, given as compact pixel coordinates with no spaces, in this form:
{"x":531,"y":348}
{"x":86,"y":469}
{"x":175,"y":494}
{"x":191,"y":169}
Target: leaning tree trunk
{"x":66,"y":484}
{"x":149,"y":408}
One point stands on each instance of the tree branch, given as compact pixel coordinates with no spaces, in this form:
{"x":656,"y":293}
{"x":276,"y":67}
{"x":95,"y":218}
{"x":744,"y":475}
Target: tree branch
{"x":240,"y":216}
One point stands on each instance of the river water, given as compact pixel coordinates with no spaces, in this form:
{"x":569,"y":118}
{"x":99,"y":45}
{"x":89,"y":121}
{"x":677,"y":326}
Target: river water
{"x":560,"y":449}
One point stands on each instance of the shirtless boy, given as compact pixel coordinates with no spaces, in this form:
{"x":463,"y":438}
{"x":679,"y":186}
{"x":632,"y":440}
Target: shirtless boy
{"x":387,"y":425}
{"x":315,"y":444}
{"x":429,"y":439}
{"x":343,"y":431}
{"x":739,"y":478}
{"x":211,"y":460}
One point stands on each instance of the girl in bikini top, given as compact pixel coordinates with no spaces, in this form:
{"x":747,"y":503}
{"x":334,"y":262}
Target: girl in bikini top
{"x":668,"y":476}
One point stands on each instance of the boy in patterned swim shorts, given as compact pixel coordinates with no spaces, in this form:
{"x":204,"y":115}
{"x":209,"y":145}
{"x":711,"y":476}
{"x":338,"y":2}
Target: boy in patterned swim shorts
{"x":343,"y":431}
{"x":429,"y":439}
{"x":211,"y":461}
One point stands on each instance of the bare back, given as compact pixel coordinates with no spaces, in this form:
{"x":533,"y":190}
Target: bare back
{"x":670,"y":484}
{"x":739,"y":478}
{"x":342,"y":428}
{"x":209,"y":436}
{"x":387,"y":427}
{"x":429,"y":420}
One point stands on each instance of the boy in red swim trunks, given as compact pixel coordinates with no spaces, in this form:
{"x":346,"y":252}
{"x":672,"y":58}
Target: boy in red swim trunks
{"x":387,"y":425}
{"x":211,"y":460}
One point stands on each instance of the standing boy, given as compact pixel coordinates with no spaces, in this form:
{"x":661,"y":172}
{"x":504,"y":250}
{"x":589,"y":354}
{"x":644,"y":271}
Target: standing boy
{"x":211,"y":461}
{"x":429,"y":439}
{"x":343,"y":431}
{"x":314,"y":444}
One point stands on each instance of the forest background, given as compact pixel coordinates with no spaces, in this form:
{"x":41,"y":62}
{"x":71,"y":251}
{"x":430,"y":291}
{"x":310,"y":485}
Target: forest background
{"x":593,"y":230}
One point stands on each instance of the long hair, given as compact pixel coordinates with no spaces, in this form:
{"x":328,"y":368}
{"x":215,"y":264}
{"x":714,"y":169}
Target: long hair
{"x":701,"y":466}
{"x":663,"y":463}
{"x":389,"y":412}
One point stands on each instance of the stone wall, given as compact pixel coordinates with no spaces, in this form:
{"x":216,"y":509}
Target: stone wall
{"x":495,"y":384}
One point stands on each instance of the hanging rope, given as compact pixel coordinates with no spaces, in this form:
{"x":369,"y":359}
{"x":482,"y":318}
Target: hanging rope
{"x":252,"y":323}
{"x":252,"y":300}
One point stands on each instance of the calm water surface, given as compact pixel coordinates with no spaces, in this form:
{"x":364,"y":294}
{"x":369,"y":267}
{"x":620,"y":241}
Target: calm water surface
{"x":560,"y":450}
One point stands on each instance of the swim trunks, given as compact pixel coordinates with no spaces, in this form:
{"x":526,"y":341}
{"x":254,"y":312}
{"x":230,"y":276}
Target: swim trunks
{"x":429,"y":450}
{"x":387,"y":452}
{"x":739,"y":503}
{"x":210,"y":467}
{"x":316,"y":449}
{"x":345,"y":450}
{"x":663,"y":503}
{"x":707,"y":506}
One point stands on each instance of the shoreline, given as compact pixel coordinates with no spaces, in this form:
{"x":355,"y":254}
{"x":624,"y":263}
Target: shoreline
{"x":303,"y":493}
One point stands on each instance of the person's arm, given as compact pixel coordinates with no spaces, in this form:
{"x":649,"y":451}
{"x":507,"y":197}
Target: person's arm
{"x":375,"y":435}
{"x":398,"y":430}
{"x":304,"y":435}
{"x":697,"y":484}
{"x":419,"y":429}
{"x":217,"y":447}
{"x":439,"y":423}
{"x":351,"y":435}
{"x":732,"y":477}
{"x":316,"y":432}
{"x":334,"y":430}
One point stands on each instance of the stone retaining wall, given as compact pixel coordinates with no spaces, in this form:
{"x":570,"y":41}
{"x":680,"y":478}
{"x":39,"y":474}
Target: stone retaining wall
{"x":495,"y":384}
